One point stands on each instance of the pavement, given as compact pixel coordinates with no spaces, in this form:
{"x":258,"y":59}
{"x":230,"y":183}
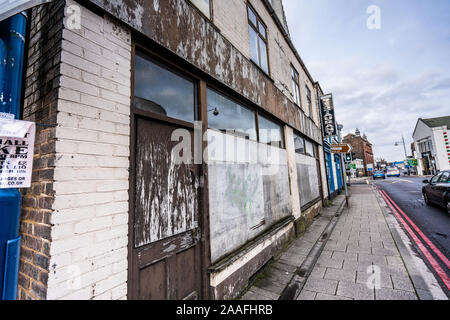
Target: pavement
{"x":355,"y":253}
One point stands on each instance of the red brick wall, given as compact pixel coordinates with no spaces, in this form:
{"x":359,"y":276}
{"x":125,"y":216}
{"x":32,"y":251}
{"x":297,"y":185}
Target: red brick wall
{"x":41,"y":83}
{"x":362,"y":149}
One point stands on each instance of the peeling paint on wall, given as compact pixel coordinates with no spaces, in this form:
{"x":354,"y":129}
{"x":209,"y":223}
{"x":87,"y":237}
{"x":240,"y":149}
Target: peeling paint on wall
{"x":180,"y":28}
{"x":166,"y":198}
{"x":246,"y":196}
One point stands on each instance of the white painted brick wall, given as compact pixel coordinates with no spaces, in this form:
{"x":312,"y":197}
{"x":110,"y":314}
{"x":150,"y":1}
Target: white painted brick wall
{"x":90,"y":232}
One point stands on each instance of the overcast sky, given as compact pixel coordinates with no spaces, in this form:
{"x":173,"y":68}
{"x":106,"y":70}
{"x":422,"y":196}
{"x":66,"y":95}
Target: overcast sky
{"x":384,"y":79}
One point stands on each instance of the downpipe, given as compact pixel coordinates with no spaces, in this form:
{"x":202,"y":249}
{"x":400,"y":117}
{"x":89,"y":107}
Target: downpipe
{"x":12,"y":46}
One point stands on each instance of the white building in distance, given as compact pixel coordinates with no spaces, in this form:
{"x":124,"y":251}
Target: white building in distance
{"x":431,"y":139}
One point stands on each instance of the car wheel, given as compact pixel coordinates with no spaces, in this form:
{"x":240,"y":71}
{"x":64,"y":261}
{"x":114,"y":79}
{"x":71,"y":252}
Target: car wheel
{"x":425,"y":198}
{"x":448,"y":206}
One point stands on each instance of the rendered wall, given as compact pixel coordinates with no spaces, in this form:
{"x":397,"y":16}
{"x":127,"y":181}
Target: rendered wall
{"x":308,"y":179}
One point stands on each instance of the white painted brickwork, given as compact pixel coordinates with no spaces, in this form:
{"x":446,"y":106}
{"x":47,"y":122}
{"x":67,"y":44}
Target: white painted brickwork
{"x":90,"y":233}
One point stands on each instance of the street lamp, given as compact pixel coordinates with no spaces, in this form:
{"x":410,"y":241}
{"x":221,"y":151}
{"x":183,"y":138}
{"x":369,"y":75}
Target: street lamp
{"x":406,"y":155}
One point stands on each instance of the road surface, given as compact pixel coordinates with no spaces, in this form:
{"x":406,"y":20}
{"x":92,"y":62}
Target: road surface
{"x":431,"y":221}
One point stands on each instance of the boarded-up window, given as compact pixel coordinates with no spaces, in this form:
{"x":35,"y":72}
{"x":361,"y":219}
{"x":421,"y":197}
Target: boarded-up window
{"x":307,"y":170}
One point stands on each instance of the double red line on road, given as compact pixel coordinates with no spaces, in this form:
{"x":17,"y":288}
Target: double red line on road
{"x":437,"y":268}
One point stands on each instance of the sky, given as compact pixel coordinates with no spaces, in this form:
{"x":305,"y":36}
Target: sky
{"x":382,"y":79}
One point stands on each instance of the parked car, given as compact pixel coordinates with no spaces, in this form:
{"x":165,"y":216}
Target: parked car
{"x":379,"y":175}
{"x":393,"y":172}
{"x":437,"y":190}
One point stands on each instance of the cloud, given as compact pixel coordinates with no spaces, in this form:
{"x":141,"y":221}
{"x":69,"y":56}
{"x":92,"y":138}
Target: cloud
{"x":382,"y":81}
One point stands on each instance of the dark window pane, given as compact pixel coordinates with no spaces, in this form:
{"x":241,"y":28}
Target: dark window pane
{"x":309,"y":148}
{"x":263,"y":54}
{"x":299,"y":144}
{"x":163,"y":92}
{"x":225,"y":114}
{"x":270,"y":132}
{"x":253,"y":45}
{"x":204,"y":6}
{"x":252,"y":16}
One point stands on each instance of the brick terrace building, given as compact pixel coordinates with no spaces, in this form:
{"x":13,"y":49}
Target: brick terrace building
{"x":109,"y":215}
{"x":361,"y":147}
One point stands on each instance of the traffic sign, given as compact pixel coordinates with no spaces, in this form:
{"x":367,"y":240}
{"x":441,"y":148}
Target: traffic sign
{"x":340,"y":148}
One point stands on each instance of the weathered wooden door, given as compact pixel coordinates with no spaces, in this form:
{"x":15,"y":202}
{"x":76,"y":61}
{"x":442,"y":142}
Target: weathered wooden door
{"x":166,"y":257}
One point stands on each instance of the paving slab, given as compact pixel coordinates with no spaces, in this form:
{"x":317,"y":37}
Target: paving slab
{"x":360,"y":260}
{"x":307,"y":295}
{"x":321,"y":285}
{"x":340,"y":274}
{"x":391,"y":294}
{"x":328,"y":297}
{"x":356,"y":291}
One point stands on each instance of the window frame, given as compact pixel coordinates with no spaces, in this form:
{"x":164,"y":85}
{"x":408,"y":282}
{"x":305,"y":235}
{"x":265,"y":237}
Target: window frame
{"x":170,"y":67}
{"x":237,"y":101}
{"x":259,"y":35}
{"x":295,"y":80}
{"x":304,"y":144}
{"x":309,"y":100}
{"x":275,"y":121}
{"x":210,"y":18}
{"x":315,"y":147}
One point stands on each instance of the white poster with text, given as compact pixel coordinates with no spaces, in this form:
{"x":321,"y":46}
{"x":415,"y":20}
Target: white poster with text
{"x":16,"y":153}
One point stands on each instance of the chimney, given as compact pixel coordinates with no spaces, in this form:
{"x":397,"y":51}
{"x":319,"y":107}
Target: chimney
{"x":277,"y":6}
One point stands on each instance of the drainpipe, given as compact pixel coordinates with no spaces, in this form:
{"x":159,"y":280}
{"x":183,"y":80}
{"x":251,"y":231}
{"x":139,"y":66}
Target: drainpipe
{"x":319,"y":103}
{"x":12,"y":46}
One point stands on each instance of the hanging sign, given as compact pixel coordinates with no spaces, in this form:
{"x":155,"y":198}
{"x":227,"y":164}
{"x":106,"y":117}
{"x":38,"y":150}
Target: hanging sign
{"x":16,"y":153}
{"x":328,"y":118}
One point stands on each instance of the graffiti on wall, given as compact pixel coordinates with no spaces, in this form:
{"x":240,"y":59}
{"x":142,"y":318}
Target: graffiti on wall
{"x":240,"y":191}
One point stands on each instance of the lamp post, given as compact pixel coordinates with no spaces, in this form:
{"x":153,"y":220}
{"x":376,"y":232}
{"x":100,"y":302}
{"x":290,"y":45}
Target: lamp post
{"x":406,"y":155}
